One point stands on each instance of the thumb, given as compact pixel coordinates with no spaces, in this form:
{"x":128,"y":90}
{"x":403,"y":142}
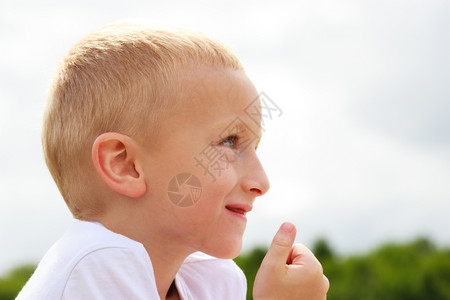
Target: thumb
{"x":281,"y":246}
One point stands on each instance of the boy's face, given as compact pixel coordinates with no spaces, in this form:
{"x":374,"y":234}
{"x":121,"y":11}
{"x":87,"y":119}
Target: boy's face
{"x":203,"y":173}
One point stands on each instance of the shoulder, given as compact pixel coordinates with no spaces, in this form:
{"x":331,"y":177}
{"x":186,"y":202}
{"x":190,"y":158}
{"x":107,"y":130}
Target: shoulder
{"x":204,"y":265}
{"x":112,"y":273}
{"x":87,"y":255}
{"x":206,"y":277}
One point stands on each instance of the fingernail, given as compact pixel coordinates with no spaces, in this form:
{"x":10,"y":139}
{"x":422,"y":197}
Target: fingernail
{"x":287,"y":227}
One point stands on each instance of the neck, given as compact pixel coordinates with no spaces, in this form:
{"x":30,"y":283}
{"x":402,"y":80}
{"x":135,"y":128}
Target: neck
{"x":166,"y":255}
{"x":166,"y":263}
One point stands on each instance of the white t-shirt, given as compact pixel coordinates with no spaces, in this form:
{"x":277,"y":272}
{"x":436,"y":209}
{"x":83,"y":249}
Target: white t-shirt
{"x":91,"y":262}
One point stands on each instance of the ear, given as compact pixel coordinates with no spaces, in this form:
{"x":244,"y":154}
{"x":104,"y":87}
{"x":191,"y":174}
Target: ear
{"x":115,"y":157}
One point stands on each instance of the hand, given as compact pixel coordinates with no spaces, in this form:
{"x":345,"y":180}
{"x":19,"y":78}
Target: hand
{"x":289,"y":271}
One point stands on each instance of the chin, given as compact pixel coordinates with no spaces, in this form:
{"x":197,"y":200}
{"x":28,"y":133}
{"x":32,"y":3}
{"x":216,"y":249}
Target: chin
{"x":226,"y":250}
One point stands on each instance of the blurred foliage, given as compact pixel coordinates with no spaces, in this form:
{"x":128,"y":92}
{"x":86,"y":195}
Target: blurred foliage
{"x":393,"y":271}
{"x":408,"y":271}
{"x":12,"y":282}
{"x":249,"y":263}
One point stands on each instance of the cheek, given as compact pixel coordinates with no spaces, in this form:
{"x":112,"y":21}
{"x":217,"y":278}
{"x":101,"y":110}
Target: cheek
{"x":214,"y":194}
{"x":198,"y":191}
{"x":213,"y":163}
{"x":219,"y":186}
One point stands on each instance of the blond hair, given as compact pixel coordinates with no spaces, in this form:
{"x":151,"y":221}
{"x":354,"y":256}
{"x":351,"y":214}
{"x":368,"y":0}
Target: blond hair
{"x":119,"y":78}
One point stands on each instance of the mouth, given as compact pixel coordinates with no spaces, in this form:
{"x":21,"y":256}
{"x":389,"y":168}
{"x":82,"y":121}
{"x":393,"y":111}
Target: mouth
{"x":241,"y":209}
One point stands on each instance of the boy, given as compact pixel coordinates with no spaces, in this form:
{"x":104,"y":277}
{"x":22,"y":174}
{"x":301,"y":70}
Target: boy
{"x":129,"y":112}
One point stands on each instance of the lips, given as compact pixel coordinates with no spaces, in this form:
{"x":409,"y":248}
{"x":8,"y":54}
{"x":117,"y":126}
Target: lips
{"x":241,"y":209}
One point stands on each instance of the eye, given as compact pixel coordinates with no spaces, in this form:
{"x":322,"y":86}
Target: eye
{"x":230,"y":141}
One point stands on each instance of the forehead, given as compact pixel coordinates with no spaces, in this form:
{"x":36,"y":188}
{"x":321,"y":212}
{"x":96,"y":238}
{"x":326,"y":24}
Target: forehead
{"x":210,"y":101}
{"x":216,"y":90}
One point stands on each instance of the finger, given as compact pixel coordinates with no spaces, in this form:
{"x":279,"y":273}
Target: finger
{"x":326,"y":283}
{"x":280,"y":248}
{"x":300,"y":254}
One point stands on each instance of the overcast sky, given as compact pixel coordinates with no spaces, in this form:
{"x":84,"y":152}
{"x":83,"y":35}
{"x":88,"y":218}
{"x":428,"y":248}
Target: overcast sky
{"x":360,"y":155}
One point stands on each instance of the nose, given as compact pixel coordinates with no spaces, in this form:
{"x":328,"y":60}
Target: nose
{"x":254,"y":179}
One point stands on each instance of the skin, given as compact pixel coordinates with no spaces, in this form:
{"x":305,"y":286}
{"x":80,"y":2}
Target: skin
{"x":289,"y":271}
{"x":134,"y":178}
{"x":139,"y":174}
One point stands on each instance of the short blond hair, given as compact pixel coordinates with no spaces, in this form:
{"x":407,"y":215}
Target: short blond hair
{"x":119,"y":78}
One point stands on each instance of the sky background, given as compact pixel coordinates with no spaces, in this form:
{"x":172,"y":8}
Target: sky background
{"x":360,"y":155}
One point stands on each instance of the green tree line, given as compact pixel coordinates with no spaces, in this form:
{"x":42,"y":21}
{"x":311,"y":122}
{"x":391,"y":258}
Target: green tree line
{"x":12,"y":282}
{"x":417,"y":270}
{"x":393,"y":271}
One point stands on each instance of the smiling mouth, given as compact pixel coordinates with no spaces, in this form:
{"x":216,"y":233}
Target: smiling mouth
{"x":236,"y":210}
